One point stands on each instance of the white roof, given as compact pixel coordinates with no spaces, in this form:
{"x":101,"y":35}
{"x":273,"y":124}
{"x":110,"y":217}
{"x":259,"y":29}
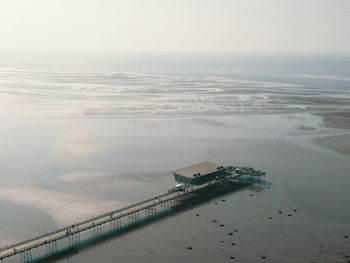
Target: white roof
{"x":201,"y":168}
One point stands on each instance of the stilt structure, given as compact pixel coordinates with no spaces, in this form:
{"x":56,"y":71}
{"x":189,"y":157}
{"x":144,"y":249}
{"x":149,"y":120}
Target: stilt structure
{"x":207,"y":176}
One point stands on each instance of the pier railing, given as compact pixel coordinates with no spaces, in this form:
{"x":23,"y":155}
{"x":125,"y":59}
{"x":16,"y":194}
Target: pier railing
{"x":72,"y":232}
{"x":90,"y":220}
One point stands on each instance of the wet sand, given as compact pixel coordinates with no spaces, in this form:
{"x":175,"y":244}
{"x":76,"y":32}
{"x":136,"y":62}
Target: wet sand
{"x":339,"y":143}
{"x":334,"y":114}
{"x":60,"y":206}
{"x":336,"y":119}
{"x":106,"y":138}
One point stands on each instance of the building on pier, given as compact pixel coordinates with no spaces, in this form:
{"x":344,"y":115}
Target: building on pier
{"x":199,"y":173}
{"x":199,"y":178}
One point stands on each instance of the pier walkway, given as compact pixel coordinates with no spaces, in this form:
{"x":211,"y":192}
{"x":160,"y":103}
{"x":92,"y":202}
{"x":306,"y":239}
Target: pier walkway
{"x":75,"y":236}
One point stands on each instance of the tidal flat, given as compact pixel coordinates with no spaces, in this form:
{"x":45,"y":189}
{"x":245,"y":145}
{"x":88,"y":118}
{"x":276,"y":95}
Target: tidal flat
{"x":76,"y":143}
{"x":339,"y":143}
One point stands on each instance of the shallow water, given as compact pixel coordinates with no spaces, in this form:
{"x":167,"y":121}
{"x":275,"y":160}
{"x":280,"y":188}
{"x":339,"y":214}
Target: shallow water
{"x":79,"y":142}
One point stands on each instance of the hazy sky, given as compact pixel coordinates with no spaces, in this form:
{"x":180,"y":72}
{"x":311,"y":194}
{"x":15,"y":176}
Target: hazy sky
{"x":321,"y":26}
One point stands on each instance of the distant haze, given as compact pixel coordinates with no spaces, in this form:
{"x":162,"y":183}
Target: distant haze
{"x":237,"y":26}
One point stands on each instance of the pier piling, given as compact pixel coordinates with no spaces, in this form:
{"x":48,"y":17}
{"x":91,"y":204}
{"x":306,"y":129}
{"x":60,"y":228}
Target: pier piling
{"x":91,"y":230}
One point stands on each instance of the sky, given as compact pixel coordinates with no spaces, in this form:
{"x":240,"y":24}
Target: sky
{"x":194,"y":26}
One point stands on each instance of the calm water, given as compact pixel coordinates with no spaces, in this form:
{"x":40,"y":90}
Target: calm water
{"x":87,"y":135}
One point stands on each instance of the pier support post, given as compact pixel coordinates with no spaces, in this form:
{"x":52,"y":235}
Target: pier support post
{"x":119,"y":222}
{"x":51,"y":248}
{"x":96,"y":231}
{"x":74,"y":240}
{"x":23,"y":257}
{"x":116,"y":223}
{"x":29,"y":255}
{"x":150,"y":210}
{"x":113,"y":224}
{"x":26,"y":256}
{"x":165,"y":204}
{"x":47,"y":248}
{"x":134,"y":217}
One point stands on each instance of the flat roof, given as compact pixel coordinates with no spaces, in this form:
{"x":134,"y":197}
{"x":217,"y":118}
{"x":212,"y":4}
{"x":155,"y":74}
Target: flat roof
{"x":201,"y":168}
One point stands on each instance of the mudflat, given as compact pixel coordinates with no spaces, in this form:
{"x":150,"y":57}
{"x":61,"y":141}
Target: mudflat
{"x":339,"y":143}
{"x":339,"y":119}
